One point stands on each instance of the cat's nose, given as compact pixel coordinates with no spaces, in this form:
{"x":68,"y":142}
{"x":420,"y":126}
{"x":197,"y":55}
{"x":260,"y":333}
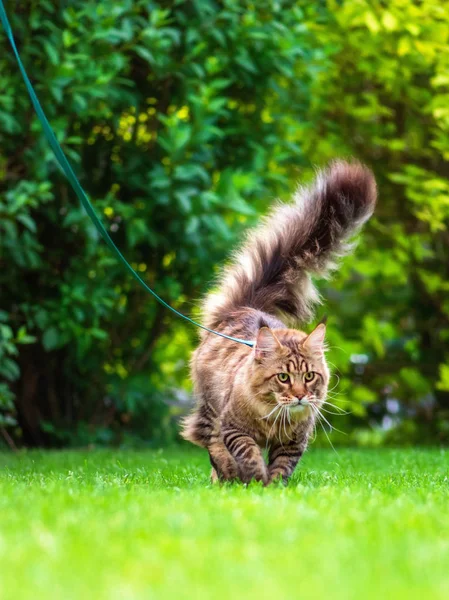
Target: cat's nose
{"x":302,"y":401}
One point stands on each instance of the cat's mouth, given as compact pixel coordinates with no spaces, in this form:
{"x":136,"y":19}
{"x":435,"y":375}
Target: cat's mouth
{"x":299,"y":401}
{"x":299,"y":408}
{"x":299,"y":405}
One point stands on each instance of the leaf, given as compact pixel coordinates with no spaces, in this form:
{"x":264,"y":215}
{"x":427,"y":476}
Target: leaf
{"x":246,"y":62}
{"x":443,"y":383}
{"x":28,"y":222}
{"x":181,"y":137}
{"x":371,"y":22}
{"x":137,"y":231}
{"x":6,"y":332}
{"x":389,"y":21}
{"x":99,"y":334}
{"x":189,"y":172}
{"x":23,"y":337}
{"x":184,"y":200}
{"x":145,"y":54}
{"x":52,"y":53}
{"x":9,"y":369}
{"x":41,"y":317}
{"x":51,"y":338}
{"x":7,"y":421}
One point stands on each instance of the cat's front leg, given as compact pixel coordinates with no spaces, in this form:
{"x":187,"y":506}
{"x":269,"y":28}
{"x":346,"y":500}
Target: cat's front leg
{"x":246,"y":453}
{"x":282,"y":460}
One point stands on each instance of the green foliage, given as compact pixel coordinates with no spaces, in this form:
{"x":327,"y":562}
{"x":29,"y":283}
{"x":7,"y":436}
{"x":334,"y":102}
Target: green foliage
{"x":173,"y":118}
{"x":183,"y":120}
{"x":381,"y":93}
{"x":375,"y":521}
{"x":9,"y":370}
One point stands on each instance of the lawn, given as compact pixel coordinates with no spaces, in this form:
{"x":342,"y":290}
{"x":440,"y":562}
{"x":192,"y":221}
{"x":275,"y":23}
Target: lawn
{"x":130,"y":525}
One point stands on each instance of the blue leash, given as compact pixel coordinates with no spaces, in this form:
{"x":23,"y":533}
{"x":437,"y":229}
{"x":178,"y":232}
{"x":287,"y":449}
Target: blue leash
{"x":68,"y":172}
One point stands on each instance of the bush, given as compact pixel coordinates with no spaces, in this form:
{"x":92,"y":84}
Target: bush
{"x":183,"y":120}
{"x":381,"y":93}
{"x":180,"y":120}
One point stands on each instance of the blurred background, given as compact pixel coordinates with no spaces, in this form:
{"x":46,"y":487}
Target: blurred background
{"x":184,"y":120}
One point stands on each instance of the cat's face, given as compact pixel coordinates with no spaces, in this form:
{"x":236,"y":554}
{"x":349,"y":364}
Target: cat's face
{"x":289,"y":369}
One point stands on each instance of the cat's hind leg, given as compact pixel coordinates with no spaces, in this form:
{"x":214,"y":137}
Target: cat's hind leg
{"x":199,"y":427}
{"x":202,"y":428}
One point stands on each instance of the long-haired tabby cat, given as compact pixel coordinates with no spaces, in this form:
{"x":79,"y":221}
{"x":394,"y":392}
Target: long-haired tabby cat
{"x":269,"y":395}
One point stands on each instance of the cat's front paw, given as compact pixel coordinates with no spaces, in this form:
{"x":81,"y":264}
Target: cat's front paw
{"x":277,"y":477}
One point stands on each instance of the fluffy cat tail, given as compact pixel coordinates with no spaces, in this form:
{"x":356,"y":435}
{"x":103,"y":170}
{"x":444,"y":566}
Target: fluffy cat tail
{"x":272,"y":271}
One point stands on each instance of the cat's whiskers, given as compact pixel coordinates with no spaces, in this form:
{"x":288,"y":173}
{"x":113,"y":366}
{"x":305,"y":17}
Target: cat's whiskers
{"x":336,"y":348}
{"x":274,"y":423}
{"x":314,"y":430}
{"x":331,"y":412}
{"x":286,"y":411}
{"x":321,"y":417}
{"x":286,"y":414}
{"x":340,"y":411}
{"x":333,"y":388}
{"x":328,"y":362}
{"x":270,"y":413}
{"x":335,"y":395}
{"x":280,"y":426}
{"x":339,"y":408}
{"x":318,"y":415}
{"x":339,"y":394}
{"x":332,"y":428}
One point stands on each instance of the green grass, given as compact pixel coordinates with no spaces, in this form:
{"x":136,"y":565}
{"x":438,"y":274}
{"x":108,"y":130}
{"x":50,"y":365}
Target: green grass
{"x":126,"y":525}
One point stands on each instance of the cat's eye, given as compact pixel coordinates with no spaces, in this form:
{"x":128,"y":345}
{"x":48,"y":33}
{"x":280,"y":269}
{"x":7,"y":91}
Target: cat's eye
{"x":309,"y":376}
{"x":283,"y":377}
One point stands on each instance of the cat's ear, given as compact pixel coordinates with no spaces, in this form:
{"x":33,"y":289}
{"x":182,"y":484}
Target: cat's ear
{"x":266,"y":343}
{"x":314,"y":342}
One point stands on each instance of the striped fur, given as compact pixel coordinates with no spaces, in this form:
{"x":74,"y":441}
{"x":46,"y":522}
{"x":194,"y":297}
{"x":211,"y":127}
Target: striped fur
{"x":242,"y":405}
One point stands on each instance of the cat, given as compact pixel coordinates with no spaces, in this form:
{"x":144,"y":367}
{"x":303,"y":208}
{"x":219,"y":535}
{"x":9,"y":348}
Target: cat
{"x":269,"y":395}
